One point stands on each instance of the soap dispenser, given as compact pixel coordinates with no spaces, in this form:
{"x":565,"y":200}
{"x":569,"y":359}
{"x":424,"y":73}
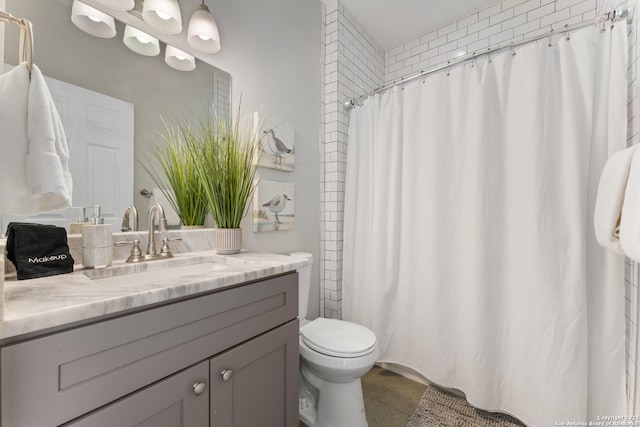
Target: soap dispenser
{"x":97,"y":242}
{"x":76,"y":227}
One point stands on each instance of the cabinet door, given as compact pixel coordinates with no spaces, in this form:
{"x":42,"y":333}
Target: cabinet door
{"x":182,"y":400}
{"x":256,"y":383}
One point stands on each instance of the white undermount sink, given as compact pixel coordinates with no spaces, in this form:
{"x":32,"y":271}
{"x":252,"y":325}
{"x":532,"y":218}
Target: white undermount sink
{"x":161,"y":274}
{"x":122,"y":273}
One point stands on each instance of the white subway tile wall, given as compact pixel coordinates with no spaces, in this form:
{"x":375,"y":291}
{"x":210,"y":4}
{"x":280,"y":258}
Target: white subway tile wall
{"x":355,"y":65}
{"x":497,"y":25}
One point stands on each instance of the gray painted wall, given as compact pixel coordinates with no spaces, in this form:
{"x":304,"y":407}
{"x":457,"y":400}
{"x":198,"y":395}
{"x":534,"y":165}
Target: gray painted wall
{"x":1,"y":36}
{"x":272,"y":50}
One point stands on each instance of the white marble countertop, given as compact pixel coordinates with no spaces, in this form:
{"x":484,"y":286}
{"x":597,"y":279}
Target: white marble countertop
{"x":36,"y":305}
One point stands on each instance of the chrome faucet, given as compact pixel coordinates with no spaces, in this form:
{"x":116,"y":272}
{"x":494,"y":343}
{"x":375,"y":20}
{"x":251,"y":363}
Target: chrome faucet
{"x":162,"y":226}
{"x":129,"y":210}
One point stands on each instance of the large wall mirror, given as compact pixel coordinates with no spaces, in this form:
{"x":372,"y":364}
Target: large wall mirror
{"x":105,"y":66}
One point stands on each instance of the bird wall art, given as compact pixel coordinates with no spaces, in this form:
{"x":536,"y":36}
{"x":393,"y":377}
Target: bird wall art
{"x":273,"y":206}
{"x":277,"y":139}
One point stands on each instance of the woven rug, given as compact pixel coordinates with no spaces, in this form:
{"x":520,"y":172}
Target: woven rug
{"x":442,"y":409}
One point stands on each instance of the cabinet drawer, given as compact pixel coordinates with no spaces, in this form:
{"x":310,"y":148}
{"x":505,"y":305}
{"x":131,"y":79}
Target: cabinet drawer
{"x":54,"y":379}
{"x":168,"y":403}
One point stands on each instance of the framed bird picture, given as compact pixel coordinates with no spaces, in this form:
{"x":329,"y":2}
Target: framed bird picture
{"x":273,"y":206}
{"x":277,"y":140}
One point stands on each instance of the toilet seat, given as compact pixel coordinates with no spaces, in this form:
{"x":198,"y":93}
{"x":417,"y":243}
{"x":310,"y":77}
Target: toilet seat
{"x":338,"y":338}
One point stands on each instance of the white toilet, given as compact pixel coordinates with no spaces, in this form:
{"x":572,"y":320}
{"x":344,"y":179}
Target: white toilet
{"x":334,"y":355}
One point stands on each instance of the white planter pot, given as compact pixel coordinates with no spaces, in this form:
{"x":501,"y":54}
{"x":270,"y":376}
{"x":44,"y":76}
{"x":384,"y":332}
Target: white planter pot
{"x":228,"y":240}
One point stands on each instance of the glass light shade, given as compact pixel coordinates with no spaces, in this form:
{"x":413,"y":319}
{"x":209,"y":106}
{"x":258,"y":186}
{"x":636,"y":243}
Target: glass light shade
{"x":119,"y":4}
{"x":92,"y":21}
{"x":179,"y":59}
{"x":163,"y":15}
{"x":140,"y":42}
{"x":203,"y":33}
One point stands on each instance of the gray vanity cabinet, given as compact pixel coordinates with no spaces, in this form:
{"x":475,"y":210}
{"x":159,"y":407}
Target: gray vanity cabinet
{"x":163,"y":366}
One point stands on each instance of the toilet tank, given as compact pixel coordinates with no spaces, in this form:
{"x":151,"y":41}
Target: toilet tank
{"x":304,"y":282}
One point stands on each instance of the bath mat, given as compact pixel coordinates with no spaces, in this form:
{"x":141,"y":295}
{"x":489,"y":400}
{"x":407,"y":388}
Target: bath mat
{"x":442,"y":409}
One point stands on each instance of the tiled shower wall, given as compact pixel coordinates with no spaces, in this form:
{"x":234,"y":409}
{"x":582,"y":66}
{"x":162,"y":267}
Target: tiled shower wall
{"x":355,"y":65}
{"x":497,"y":25}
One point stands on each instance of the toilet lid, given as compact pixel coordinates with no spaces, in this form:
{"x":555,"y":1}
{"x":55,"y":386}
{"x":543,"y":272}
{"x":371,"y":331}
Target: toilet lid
{"x":338,"y":338}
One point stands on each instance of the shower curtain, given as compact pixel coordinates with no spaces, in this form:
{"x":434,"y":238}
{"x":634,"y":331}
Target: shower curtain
{"x":468,"y":234}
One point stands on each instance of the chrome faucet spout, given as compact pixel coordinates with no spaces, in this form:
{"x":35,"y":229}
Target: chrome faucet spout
{"x":162,"y":226}
{"x":129,"y":211}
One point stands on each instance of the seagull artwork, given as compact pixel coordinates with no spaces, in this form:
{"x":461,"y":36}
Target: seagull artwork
{"x":274,"y":146}
{"x":276,"y":205}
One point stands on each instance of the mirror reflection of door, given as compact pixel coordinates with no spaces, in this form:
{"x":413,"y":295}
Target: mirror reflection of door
{"x":100,"y":134}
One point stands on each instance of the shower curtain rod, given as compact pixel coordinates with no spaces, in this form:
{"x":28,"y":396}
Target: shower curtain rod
{"x":620,"y":12}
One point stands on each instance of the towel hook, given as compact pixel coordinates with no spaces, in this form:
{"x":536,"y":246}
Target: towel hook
{"x":25,"y":48}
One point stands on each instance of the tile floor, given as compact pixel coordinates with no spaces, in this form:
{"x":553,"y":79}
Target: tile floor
{"x":389,"y":399}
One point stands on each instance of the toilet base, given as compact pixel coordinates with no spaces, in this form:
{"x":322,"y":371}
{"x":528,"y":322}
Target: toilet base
{"x":337,"y":405}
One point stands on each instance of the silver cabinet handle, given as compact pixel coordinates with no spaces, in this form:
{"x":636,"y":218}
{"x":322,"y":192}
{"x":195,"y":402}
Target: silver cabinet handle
{"x":226,"y":374}
{"x":199,"y":388}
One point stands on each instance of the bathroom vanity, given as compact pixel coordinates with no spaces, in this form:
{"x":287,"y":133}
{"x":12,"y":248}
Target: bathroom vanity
{"x":218,"y":347}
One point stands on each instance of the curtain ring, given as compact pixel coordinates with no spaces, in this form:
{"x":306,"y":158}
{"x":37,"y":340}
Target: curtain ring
{"x":566,"y":32}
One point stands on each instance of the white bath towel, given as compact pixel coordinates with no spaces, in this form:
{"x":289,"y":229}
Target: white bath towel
{"x":48,"y":159}
{"x":609,"y":200}
{"x":630,"y":218}
{"x":158,"y":197}
{"x":34,"y":173}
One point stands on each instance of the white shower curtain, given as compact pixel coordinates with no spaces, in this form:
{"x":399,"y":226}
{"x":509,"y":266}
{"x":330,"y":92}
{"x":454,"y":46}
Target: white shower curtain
{"x":468,"y":239}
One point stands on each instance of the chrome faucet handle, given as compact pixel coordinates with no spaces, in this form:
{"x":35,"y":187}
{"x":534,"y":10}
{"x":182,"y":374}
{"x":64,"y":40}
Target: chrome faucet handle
{"x":165,"y":251}
{"x":136,"y":253}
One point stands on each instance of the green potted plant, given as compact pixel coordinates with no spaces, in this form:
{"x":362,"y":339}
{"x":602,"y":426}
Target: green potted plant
{"x":226,"y":161}
{"x":173,"y":171}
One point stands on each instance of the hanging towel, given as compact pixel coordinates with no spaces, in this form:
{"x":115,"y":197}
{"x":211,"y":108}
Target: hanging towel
{"x":48,"y":159}
{"x":34,"y":157}
{"x":609,"y":200}
{"x":630,"y":218}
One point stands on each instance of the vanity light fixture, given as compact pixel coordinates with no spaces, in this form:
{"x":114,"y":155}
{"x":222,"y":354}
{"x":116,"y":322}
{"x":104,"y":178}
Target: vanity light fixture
{"x":203,"y":32}
{"x":123,"y":5}
{"x":163,"y":15}
{"x":178,"y":59}
{"x":140,"y":42}
{"x":92,"y":21}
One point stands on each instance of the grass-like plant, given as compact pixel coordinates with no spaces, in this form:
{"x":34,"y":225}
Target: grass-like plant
{"x":226,"y":161}
{"x":172,"y":169}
